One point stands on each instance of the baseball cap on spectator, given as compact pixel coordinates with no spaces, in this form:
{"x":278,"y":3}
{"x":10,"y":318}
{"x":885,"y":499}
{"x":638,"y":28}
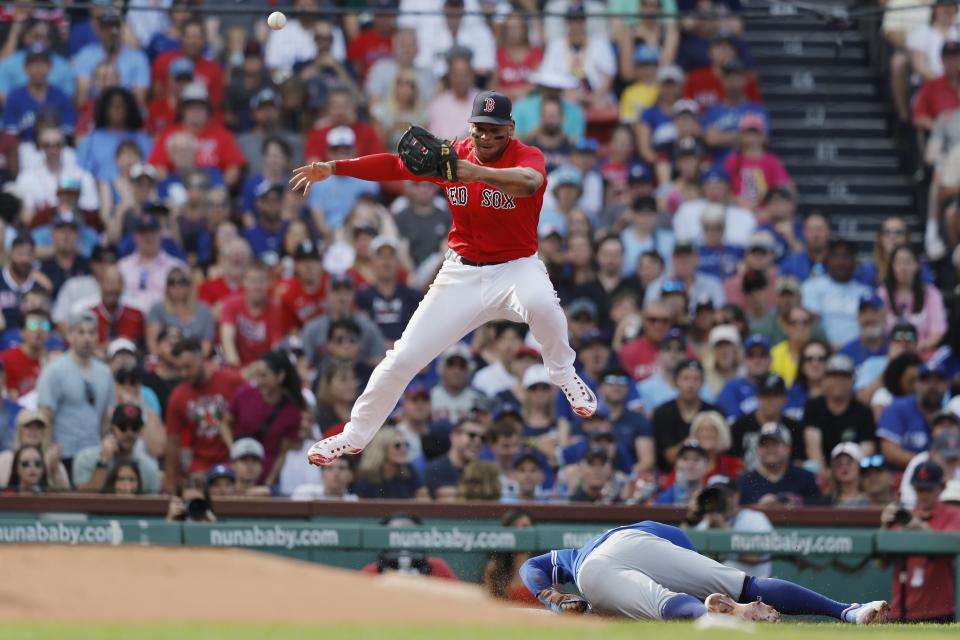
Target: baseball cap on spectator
{"x":645,"y":54}
{"x":929,"y":369}
{"x":720,"y":480}
{"x":689,"y":146}
{"x":675,"y":334}
{"x":143,"y":170}
{"x":341,"y":281}
{"x":752,"y":122}
{"x":26,"y":416}
{"x":592,"y":337}
{"x":772,"y":385}
{"x":458,"y":52}
{"x":762,"y":240}
{"x":481,"y":404}
{"x":672,"y":286}
{"x":156,"y":207}
{"x":947,"y":444}
{"x":508,"y":409}
{"x":22,"y":239}
{"x":688,"y":363}
{"x":536,"y":374}
{"x":457,"y":350}
{"x":692,"y":444}
{"x":703,"y":302}
{"x":684,"y":246}
{"x":851,"y":449}
{"x":757,"y":340}
{"x":119,"y":345}
{"x":181,"y":68}
{"x":127,"y":415}
{"x":927,"y":475}
{"x":587,"y":145}
{"x":548,"y":230}
{"x":220,"y":471}
{"x":306,"y":250}
{"x":640,"y":172}
{"x":525,"y":456}
{"x":715,"y":174}
{"x":528,"y":352}
{"x":252,"y":49}
{"x":753,"y":280}
{"x":265,"y":187}
{"x":615,"y":375}
{"x":903,"y":331}
{"x":788,"y":284}
{"x":870,"y":300}
{"x":110,"y":17}
{"x":576,"y":10}
{"x":602,"y":413}
{"x":670,"y":73}
{"x":37,"y":51}
{"x":69,"y":183}
{"x":685,"y":105}
{"x":82,"y":318}
{"x":950,"y":48}
{"x":775,"y":431}
{"x":247,"y":447}
{"x":266,"y":96}
{"x":383,"y":241}
{"x":945,"y":416}
{"x":195,"y":92}
{"x":724,"y":333}
{"x":146,"y":223}
{"x":341,"y":137}
{"x":644,"y":204}
{"x":733,"y":65}
{"x":839,"y":364}
{"x":416,"y":389}
{"x":567,"y":175}
{"x":66,"y":219}
{"x":724,"y":35}
{"x":581,"y":307}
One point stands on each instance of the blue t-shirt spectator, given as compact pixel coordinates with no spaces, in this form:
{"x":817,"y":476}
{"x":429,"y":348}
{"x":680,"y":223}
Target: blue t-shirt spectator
{"x":43,"y":237}
{"x":837,"y":304}
{"x":628,"y":427}
{"x":132,"y":65}
{"x":662,"y":130}
{"x":337,"y":195}
{"x":859,"y":353}
{"x":797,"y":397}
{"x":98,"y":150}
{"x":795,"y":481}
{"x":738,"y":397}
{"x":903,"y":424}
{"x":726,"y":117}
{"x":390,"y":313}
{"x":13,"y":73}
{"x":800,"y":266}
{"x":21,"y":109}
{"x":173,"y":184}
{"x":719,"y":262}
{"x":266,"y":245}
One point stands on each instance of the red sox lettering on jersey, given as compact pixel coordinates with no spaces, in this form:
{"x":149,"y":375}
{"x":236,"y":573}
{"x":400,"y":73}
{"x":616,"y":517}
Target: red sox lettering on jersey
{"x":492,"y":198}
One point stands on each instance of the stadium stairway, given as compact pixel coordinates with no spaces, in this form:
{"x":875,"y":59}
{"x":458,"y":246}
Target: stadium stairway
{"x":830,"y":120}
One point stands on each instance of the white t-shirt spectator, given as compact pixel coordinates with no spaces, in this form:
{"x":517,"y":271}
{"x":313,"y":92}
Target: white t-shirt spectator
{"x":687,"y":224}
{"x":598,"y":62}
{"x":434,"y":38}
{"x":38,"y":186}
{"x":930,"y":41}
{"x":147,"y":18}
{"x":294,"y":43}
{"x":555,"y":24}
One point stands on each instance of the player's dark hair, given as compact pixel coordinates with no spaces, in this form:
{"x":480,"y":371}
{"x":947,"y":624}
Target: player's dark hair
{"x":279,"y":362}
{"x":189,"y":344}
{"x":347,"y":324}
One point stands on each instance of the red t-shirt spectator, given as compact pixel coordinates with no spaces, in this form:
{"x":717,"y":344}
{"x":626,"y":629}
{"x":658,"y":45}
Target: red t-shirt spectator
{"x":935,"y":97}
{"x":254,"y":332}
{"x":216,"y":290}
{"x":22,"y":370}
{"x":127,"y":322}
{"x":930,"y":579}
{"x":706,"y":87}
{"x":295,"y":305}
{"x":368,"y":47}
{"x":511,"y":73}
{"x":216,"y":147}
{"x":639,"y":358}
{"x":368,"y":141}
{"x":206,"y":71}
{"x":194,"y":415}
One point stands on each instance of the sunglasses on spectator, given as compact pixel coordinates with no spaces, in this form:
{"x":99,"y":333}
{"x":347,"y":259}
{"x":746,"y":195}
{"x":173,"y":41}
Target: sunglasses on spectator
{"x":457,"y":362}
{"x":814,"y":358}
{"x":37,"y":325}
{"x":178,"y":282}
{"x":616,"y":380}
{"x":806,"y":322}
{"x":657,"y":319}
{"x":474,"y":435}
{"x":876,"y":461}
{"x":32,"y":463}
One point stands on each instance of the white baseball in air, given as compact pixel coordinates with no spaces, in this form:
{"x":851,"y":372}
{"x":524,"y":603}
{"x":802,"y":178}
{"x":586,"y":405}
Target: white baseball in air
{"x":276,"y":20}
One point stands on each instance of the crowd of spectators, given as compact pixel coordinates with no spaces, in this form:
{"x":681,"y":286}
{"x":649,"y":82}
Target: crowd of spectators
{"x":175,"y":320}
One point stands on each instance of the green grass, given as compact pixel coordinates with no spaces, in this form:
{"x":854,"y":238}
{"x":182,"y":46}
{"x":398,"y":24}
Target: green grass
{"x":613,"y":631}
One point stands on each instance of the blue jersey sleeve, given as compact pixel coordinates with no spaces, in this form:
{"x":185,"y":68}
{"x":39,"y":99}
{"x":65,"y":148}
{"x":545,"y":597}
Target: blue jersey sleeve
{"x":542,"y":572}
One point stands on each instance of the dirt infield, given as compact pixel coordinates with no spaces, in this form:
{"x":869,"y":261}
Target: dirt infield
{"x":60,"y":583}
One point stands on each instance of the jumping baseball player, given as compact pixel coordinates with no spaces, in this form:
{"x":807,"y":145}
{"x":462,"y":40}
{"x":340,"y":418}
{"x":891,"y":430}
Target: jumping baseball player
{"x":495,"y":185}
{"x":652,"y":571}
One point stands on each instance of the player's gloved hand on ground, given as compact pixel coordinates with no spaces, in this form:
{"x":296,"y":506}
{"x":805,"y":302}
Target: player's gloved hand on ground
{"x":563,"y":602}
{"x":424,"y":154}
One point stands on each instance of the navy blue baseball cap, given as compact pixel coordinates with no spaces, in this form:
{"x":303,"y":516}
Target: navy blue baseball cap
{"x":757,"y":340}
{"x":933,"y":368}
{"x":717,"y":174}
{"x":220,"y":471}
{"x":587,"y":145}
{"x":870,"y":299}
{"x":490,"y":107}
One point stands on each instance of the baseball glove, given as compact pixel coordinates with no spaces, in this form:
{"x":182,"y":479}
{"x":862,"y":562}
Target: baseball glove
{"x":424,"y":154}
{"x":563,"y":602}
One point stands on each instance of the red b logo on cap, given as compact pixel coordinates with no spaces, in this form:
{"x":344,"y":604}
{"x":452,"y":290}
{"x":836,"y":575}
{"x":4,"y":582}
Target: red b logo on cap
{"x":488,"y":105}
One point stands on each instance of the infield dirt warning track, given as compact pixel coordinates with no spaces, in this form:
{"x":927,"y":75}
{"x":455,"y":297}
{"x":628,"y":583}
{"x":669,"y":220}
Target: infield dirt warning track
{"x":63,"y":583}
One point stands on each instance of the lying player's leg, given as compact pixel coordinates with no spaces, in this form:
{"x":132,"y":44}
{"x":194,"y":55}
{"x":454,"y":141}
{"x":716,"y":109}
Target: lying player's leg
{"x":528,"y":296}
{"x":451,"y":309}
{"x":614,"y":588}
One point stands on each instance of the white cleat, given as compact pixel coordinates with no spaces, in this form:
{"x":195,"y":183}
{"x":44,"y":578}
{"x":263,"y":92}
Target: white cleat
{"x":580,"y":397}
{"x":329,"y":449}
{"x":753,"y":611}
{"x":876,"y":612}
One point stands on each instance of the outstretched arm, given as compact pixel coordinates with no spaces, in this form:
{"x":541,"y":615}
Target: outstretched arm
{"x":377,"y":167}
{"x":514,"y":181}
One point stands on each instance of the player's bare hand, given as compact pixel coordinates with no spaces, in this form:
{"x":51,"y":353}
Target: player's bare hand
{"x":308,"y":175}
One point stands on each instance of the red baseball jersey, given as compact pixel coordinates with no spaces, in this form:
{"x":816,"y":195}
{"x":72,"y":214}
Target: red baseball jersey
{"x":488,"y":225}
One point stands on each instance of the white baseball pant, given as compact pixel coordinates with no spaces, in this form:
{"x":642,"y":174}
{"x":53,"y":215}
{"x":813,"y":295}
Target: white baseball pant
{"x":461,"y":299}
{"x":633,"y":573}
